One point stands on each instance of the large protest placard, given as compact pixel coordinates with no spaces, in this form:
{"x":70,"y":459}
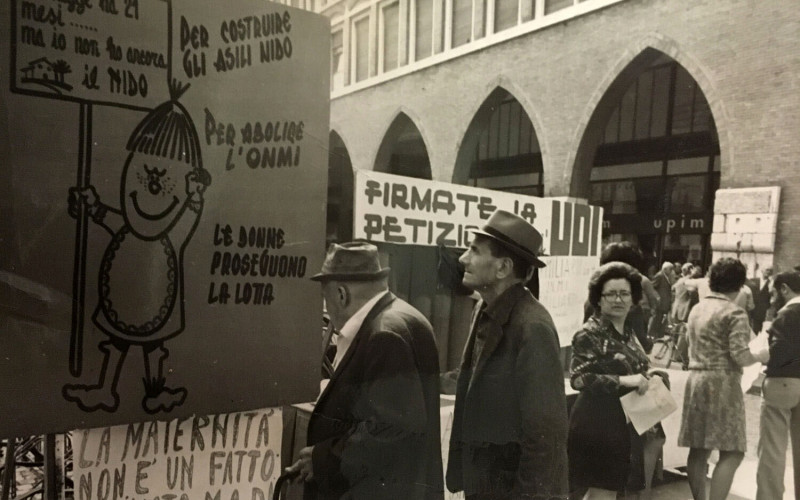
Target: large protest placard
{"x":159,"y":225}
{"x":403,"y":210}
{"x":216,"y":457}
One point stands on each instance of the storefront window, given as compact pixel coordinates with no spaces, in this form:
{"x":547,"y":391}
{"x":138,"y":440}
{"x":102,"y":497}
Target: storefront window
{"x":629,"y":196}
{"x":687,"y":194}
{"x":683,"y":248}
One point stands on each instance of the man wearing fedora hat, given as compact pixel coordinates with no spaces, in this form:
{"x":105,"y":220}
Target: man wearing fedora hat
{"x":374,"y":432}
{"x":509,"y":436}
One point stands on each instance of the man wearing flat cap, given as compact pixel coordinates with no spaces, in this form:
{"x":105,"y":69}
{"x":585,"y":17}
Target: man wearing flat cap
{"x":509,"y":436}
{"x":374,"y":432}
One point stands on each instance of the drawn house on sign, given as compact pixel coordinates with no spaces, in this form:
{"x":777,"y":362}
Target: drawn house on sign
{"x":50,"y":74}
{"x":40,"y":69}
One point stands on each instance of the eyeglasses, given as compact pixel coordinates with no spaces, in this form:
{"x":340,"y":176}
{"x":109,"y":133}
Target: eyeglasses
{"x":611,"y":296}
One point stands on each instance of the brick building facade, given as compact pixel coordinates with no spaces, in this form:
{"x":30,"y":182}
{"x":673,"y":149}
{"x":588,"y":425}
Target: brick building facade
{"x":568,"y":69}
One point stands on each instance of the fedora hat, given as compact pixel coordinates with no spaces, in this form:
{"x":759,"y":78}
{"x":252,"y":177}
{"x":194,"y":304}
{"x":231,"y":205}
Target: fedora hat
{"x":515,"y":234}
{"x":356,"y":261}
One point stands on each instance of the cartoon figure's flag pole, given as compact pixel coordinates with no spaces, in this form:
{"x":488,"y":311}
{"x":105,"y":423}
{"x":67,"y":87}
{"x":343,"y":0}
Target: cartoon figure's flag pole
{"x":82,"y":219}
{"x":79,"y":269}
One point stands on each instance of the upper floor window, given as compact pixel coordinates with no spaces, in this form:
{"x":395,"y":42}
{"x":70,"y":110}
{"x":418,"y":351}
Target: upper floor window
{"x":423,"y":36}
{"x":505,"y":14}
{"x":360,"y":48}
{"x":462,"y":22}
{"x":337,"y":49}
{"x":555,"y":5}
{"x":390,"y":28}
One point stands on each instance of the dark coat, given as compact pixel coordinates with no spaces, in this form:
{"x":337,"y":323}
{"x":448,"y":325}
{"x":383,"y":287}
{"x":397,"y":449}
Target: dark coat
{"x":761,"y":298}
{"x":375,"y":428}
{"x":509,"y":433}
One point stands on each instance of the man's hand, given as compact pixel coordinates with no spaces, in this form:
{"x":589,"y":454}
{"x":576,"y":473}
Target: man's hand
{"x":303,"y":467}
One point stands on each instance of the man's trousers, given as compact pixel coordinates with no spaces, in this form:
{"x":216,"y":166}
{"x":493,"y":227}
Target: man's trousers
{"x":780,"y":419}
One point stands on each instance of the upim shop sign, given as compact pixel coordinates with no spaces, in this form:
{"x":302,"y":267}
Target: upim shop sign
{"x":403,"y":210}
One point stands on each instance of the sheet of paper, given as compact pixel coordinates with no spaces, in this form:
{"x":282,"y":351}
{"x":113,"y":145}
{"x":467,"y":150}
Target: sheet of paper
{"x":646,"y":410}
{"x":750,"y":375}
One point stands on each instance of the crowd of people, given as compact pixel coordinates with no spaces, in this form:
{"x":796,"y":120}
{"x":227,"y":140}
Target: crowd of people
{"x":375,"y":429}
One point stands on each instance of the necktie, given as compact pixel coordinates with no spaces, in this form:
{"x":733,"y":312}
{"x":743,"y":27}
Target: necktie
{"x":328,"y":351}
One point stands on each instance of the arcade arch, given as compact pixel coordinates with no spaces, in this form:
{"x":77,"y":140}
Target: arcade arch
{"x":650,"y":156}
{"x":403,"y":150}
{"x":500,"y":149}
{"x":339,"y":225}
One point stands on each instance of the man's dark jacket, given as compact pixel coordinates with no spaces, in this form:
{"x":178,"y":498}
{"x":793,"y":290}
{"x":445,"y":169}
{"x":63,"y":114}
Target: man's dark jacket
{"x":761,"y":300}
{"x":509,"y":436}
{"x":375,"y":428}
{"x":784,"y":343}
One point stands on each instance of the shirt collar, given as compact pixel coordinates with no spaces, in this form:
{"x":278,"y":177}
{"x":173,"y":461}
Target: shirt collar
{"x":795,"y":300}
{"x":353,"y":325}
{"x":603,"y":322}
{"x":500,"y":309}
{"x":717,"y":295}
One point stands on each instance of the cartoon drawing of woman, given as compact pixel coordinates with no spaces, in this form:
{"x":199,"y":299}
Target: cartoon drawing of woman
{"x":141,"y":293}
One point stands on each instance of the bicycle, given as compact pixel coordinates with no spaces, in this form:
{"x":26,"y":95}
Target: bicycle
{"x":669,"y":345}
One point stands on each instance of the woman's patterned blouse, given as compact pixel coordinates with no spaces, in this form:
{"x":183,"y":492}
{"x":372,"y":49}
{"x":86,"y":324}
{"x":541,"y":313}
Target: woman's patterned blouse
{"x":600,"y":355}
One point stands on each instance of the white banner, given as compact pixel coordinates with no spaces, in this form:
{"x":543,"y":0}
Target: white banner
{"x":395,"y":209}
{"x":215,"y":457}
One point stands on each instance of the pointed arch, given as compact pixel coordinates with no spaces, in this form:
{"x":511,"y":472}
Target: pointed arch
{"x":500,"y":148}
{"x":339,"y":225}
{"x":650,"y":152}
{"x":403,"y":150}
{"x":610,"y":90}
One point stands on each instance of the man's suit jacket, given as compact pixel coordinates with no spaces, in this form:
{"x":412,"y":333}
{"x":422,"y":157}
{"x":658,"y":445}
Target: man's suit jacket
{"x":509,"y":433}
{"x":761,"y":297}
{"x":375,"y":428}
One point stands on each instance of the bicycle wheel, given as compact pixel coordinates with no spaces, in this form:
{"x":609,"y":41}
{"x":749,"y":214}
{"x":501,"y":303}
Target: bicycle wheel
{"x":670,"y":347}
{"x":662,"y":349}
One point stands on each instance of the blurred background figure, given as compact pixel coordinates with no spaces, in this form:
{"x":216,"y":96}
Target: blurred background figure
{"x":762,"y":299}
{"x":713,"y":409}
{"x":606,"y":454}
{"x":744,"y":299}
{"x":662,"y":283}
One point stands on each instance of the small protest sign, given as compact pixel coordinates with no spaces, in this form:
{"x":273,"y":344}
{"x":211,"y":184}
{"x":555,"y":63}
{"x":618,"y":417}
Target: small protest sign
{"x":215,"y":457}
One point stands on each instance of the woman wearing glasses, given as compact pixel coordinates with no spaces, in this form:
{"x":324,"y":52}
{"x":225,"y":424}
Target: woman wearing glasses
{"x":713,"y":407}
{"x":606,"y":454}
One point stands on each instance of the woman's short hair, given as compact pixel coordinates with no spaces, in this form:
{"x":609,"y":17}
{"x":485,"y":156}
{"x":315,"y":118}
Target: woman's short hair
{"x":623,"y":251}
{"x":727,"y":275}
{"x":613,"y":271}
